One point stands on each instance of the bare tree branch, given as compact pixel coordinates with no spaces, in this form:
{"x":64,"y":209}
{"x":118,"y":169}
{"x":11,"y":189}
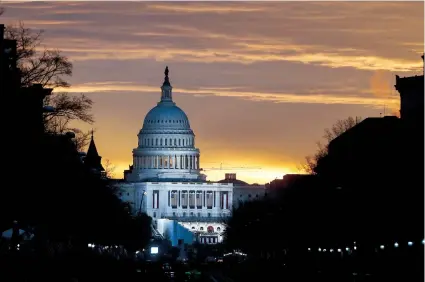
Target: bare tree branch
{"x":109,"y":169}
{"x":82,"y":139}
{"x":310,"y":163}
{"x":49,"y":68}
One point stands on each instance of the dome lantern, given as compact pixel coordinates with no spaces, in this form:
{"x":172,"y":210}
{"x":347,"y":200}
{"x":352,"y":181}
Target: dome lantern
{"x":166,"y":88}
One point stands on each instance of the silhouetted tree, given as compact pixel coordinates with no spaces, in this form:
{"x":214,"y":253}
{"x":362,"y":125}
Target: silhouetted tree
{"x":109,"y":168}
{"x":50,"y":69}
{"x":341,"y":126}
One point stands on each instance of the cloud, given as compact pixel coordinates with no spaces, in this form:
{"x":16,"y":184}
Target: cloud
{"x":333,"y":35}
{"x":205,"y":8}
{"x":381,"y":84}
{"x":316,"y":98}
{"x":241,"y":53}
{"x":265,"y":75}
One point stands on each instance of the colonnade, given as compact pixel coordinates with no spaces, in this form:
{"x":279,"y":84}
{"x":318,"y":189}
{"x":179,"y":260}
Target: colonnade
{"x":166,"y":162}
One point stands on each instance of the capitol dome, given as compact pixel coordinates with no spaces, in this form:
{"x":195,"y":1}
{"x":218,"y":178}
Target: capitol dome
{"x":166,"y":149}
{"x":166,"y":115}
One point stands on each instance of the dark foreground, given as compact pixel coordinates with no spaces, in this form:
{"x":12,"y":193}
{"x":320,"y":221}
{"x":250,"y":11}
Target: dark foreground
{"x":400,"y":266}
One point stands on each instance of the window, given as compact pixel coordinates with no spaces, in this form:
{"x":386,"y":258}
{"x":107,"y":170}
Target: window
{"x":191,"y":213}
{"x":184,"y":199}
{"x":154,"y":214}
{"x":209,"y":214}
{"x":192,"y":199}
{"x":199,"y":199}
{"x":165,"y":142}
{"x":174,"y":199}
{"x":193,"y":227}
{"x":202,"y":228}
{"x":184,"y":214}
{"x":209,"y":199}
{"x":218,"y":229}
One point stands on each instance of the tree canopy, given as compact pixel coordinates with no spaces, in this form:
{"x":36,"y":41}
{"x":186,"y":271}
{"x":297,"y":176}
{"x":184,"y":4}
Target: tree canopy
{"x":51,"y":68}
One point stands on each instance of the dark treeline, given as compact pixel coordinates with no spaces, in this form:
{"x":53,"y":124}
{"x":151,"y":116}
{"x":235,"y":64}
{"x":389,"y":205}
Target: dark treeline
{"x":50,"y":192}
{"x":367,"y":188}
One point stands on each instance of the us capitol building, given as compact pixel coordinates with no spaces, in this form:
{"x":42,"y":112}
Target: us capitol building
{"x":165,"y":180}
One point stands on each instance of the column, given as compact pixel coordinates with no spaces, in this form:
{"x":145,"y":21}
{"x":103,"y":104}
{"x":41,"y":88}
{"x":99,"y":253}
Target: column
{"x":184,"y":161}
{"x":157,"y":162}
{"x":168,"y":163}
{"x":193,"y":162}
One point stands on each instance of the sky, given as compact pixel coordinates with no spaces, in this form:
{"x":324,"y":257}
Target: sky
{"x":259,"y":81}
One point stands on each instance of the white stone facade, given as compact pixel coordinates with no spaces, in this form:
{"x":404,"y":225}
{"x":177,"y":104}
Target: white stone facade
{"x":165,"y":180}
{"x":246,"y":193}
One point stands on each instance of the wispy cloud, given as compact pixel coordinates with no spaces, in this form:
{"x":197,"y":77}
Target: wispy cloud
{"x":206,"y":8}
{"x":314,"y":98}
{"x":334,"y":35}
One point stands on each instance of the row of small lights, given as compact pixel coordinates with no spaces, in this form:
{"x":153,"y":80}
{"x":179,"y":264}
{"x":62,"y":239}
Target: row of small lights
{"x":235,"y":253}
{"x":103,"y":247}
{"x":396,"y":245}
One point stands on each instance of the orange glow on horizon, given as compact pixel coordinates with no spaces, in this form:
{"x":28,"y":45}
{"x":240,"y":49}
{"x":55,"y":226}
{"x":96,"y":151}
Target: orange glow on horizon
{"x":251,"y":176}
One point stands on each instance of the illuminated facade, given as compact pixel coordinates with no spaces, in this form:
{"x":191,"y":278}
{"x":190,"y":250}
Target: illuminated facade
{"x":165,"y":180}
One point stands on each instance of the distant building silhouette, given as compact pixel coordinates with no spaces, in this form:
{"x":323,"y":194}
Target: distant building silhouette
{"x":242,"y":191}
{"x":9,"y":72}
{"x":411,"y":91}
{"x":379,"y":165}
{"x":92,"y":160}
{"x":277,"y":186}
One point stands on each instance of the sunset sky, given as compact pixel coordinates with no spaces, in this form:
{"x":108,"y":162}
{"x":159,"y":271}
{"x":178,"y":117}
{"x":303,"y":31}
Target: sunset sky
{"x":259,"y":81}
